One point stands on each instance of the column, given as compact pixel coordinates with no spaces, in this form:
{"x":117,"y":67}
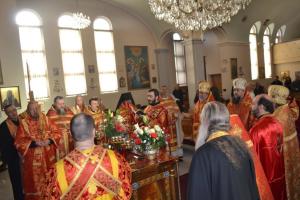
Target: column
{"x":194,"y":66}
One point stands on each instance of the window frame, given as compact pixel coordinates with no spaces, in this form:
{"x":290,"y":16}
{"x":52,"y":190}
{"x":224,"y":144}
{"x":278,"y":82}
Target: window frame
{"x":66,"y":75}
{"x":113,"y":72}
{"x":26,"y":65}
{"x":253,"y":53}
{"x":177,"y":71}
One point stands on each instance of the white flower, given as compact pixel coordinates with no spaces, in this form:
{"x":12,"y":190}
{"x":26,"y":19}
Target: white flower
{"x":120,"y":118}
{"x":136,"y":126}
{"x":146,"y":129}
{"x":157,"y":128}
{"x":140,"y":131}
{"x":152,"y":130}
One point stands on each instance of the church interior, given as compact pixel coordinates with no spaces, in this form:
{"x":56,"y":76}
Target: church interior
{"x":126,"y":48}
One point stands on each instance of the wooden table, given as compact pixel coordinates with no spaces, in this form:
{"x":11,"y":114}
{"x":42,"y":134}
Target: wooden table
{"x":155,"y":179}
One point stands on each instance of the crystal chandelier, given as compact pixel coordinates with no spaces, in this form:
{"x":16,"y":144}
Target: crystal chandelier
{"x":81,"y":21}
{"x":196,"y":14}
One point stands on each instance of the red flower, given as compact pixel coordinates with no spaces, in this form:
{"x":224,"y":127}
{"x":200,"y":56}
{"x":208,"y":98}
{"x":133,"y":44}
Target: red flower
{"x":153,"y":135}
{"x":134,"y":135}
{"x":119,"y":127}
{"x":138,"y":141}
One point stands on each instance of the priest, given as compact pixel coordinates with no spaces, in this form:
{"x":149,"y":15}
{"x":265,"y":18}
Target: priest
{"x":79,"y":106}
{"x":267,"y":137}
{"x":156,"y":113}
{"x":127,"y":109}
{"x":89,"y":171}
{"x":61,"y":115}
{"x":222,"y":167}
{"x":204,"y":96}
{"x":238,"y":129}
{"x":174,"y":118}
{"x":287,"y":114}
{"x":8,"y":132}
{"x":241,"y":102}
{"x":37,"y":139}
{"x":94,"y":110}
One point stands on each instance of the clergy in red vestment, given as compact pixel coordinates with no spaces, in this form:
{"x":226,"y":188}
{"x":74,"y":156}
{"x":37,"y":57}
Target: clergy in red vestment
{"x":61,"y":115}
{"x":174,"y":118}
{"x":89,"y":171}
{"x":241,"y":102}
{"x":36,"y":141}
{"x":238,"y":129}
{"x":287,"y":114}
{"x":79,"y":106}
{"x":156,"y":113}
{"x":94,"y":109}
{"x":267,"y":137}
{"x":126,"y":108}
{"x":205,"y":96}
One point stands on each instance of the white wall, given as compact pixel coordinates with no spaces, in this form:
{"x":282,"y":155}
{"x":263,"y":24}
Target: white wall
{"x":128,"y":30}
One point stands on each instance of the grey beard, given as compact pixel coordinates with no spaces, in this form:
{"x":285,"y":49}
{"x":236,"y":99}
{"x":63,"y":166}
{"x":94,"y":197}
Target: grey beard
{"x":61,"y":111}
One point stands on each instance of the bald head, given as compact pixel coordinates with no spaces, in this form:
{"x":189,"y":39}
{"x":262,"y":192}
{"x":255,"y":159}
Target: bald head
{"x":82,"y":127}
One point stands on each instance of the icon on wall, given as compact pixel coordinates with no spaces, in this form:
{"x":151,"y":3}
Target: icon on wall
{"x":137,"y":67}
{"x":122,"y":82}
{"x":10,"y":95}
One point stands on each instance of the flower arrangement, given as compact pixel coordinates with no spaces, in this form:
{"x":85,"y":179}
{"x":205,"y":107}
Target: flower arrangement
{"x":147,"y":138}
{"x":113,"y":125}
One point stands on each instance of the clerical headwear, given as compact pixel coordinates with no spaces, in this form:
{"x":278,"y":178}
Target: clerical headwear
{"x":239,"y":83}
{"x":204,"y":87}
{"x":278,"y":93}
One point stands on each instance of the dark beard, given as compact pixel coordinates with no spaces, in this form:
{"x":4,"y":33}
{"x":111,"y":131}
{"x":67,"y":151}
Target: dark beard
{"x":153,"y":103}
{"x":255,"y":113}
{"x":236,"y":100}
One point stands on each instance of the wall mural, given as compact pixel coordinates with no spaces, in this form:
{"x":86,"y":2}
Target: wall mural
{"x":137,"y":67}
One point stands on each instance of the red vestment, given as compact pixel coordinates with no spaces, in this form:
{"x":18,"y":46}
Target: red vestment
{"x":287,"y":115}
{"x":98,"y":116}
{"x":63,"y":123}
{"x":238,"y":129}
{"x":267,"y":138}
{"x":158,"y":115}
{"x":243,"y":110}
{"x":95,"y":173}
{"x":36,"y":160}
{"x":197,"y":111}
{"x":127,"y":111}
{"x":173,"y":113}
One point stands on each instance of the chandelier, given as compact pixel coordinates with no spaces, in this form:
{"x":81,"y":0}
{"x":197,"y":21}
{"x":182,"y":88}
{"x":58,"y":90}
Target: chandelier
{"x":196,"y":14}
{"x":81,"y":21}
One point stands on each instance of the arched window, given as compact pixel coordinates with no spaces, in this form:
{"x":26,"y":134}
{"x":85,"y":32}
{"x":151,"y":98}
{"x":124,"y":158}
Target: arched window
{"x":253,"y":52}
{"x":105,"y":51}
{"x":33,"y":53}
{"x":72,"y":56}
{"x":280,"y":34}
{"x":267,"y":53}
{"x":179,"y":57}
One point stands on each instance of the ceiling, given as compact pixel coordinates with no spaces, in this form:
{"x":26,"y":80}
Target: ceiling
{"x":277,"y":11}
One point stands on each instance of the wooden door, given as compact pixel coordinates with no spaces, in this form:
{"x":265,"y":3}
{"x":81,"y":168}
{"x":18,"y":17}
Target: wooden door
{"x":216,"y":80}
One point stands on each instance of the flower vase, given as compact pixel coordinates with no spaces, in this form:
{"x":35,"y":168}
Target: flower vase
{"x":151,"y":153}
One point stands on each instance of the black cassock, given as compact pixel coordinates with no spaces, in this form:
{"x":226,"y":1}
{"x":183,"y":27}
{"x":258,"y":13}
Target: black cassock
{"x":11,"y":157}
{"x":222,"y":169}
